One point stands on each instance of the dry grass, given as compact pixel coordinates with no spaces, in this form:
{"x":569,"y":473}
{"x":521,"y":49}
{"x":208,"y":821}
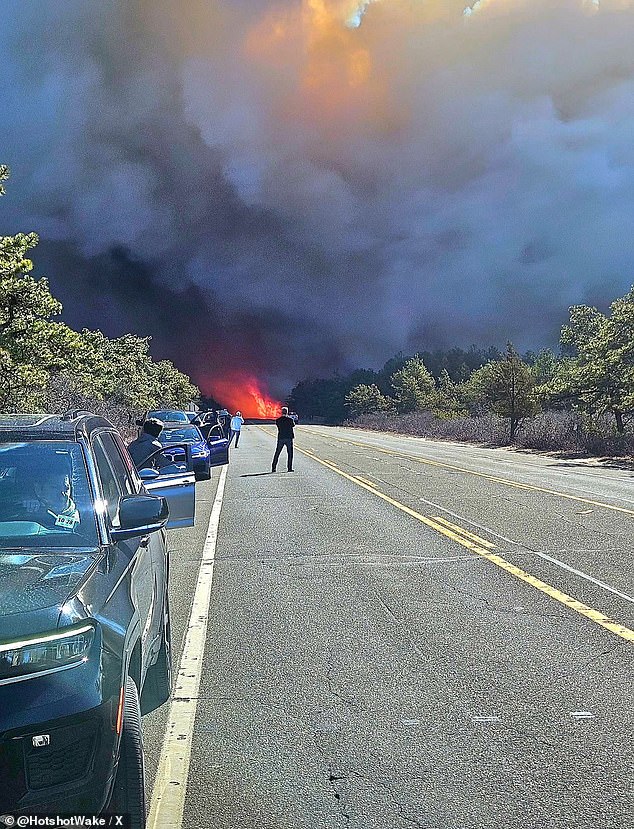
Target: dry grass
{"x":550,"y":431}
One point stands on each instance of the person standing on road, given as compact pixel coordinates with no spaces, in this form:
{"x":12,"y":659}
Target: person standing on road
{"x":285,"y":436}
{"x":236,"y":424}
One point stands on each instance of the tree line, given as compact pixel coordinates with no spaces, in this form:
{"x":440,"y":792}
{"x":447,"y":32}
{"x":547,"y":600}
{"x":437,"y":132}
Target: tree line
{"x":46,"y":366}
{"x":589,"y":382}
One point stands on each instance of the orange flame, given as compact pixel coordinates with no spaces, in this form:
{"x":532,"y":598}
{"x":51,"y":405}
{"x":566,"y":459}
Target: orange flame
{"x":246,"y":395}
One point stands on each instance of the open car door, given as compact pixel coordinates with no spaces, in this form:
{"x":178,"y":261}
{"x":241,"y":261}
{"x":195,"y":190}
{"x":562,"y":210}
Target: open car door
{"x":169,"y":472}
{"x":218,"y":450}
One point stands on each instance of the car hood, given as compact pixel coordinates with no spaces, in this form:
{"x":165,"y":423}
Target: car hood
{"x":31,"y":581}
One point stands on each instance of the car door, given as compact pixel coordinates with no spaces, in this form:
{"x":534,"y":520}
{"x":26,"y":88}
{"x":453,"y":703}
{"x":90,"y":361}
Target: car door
{"x":218,"y":450}
{"x":169,"y":472}
{"x":113,"y":487}
{"x":128,"y":479}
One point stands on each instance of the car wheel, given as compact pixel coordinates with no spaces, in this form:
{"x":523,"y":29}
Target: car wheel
{"x":128,"y":794}
{"x":157,"y":688}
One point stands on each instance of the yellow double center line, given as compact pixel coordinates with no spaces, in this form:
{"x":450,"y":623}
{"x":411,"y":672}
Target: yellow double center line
{"x":487,"y":476}
{"x":483,"y":548}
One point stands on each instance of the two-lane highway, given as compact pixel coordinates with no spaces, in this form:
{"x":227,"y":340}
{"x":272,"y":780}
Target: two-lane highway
{"x":400,"y":633}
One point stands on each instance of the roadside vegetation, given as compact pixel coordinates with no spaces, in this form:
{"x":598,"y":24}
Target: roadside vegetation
{"x":580,"y":399}
{"x":46,"y":366}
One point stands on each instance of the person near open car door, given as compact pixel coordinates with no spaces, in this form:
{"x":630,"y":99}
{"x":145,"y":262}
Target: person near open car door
{"x":147,"y":442}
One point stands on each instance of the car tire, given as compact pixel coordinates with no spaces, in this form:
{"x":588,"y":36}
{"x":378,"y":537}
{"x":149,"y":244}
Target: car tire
{"x":157,"y":687}
{"x":128,"y":793}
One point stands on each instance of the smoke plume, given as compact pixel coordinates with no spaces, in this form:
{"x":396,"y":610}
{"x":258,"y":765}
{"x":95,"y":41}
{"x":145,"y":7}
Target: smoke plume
{"x":276,"y":189}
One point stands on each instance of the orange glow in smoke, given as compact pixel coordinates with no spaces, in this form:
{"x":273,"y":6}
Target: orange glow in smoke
{"x":310,"y":42}
{"x":246,"y":395}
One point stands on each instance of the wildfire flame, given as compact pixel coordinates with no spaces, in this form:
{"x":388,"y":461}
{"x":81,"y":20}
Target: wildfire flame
{"x":245,"y":394}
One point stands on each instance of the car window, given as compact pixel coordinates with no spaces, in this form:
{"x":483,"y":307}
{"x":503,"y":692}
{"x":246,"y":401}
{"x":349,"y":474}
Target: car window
{"x":45,"y":496}
{"x":110,"y":487}
{"x":119,"y":468}
{"x":179,"y":435}
{"x":170,"y":461}
{"x":128,"y":463}
{"x":169,"y":414}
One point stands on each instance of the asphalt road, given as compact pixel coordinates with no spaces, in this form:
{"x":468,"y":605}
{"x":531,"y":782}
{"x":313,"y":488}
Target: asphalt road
{"x":405,"y":633}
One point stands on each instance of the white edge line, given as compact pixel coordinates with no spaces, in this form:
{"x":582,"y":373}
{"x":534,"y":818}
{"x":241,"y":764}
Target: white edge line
{"x":170,"y":787}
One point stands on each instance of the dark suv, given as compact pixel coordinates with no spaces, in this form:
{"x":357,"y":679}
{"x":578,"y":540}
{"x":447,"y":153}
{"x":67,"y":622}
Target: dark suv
{"x":84,"y":614}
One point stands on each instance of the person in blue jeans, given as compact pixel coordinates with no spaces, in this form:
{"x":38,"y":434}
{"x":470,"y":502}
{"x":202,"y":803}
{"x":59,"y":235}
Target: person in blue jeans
{"x":236,"y":424}
{"x":285,"y":436}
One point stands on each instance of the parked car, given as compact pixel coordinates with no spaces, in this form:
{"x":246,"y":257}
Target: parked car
{"x":84,"y":613}
{"x":206,"y":453}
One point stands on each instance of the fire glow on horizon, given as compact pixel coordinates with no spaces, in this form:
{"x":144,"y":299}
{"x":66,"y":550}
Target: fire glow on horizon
{"x":244,"y":394}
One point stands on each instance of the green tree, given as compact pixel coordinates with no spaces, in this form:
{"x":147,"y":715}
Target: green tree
{"x":598,"y":375}
{"x":506,"y":387}
{"x":543,"y":365}
{"x":172,"y":388}
{"x":448,"y":399}
{"x":364,"y":399}
{"x":122,"y":370}
{"x":325,"y":398}
{"x":413,"y":385}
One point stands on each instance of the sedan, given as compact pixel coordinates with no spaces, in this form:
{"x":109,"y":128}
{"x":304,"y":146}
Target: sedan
{"x":214,"y":451}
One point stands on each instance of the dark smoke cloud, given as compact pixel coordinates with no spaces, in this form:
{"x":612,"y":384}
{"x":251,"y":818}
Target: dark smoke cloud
{"x":289,"y":188}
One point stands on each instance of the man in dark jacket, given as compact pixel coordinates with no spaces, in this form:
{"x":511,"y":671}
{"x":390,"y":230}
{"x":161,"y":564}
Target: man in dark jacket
{"x":146,"y":444}
{"x":285,"y":436}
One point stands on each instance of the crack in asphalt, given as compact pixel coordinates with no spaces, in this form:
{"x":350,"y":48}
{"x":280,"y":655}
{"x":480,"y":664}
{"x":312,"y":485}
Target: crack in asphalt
{"x":620,"y":648}
{"x":510,"y":611}
{"x":349,"y":702}
{"x":403,"y":626}
{"x":333,"y":779}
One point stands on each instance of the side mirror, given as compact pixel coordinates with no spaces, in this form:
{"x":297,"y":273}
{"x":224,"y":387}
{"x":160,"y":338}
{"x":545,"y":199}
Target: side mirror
{"x":148,"y":474}
{"x":140,"y":515}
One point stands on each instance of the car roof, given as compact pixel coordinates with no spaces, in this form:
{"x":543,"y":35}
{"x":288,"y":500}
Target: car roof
{"x":69,"y":426}
{"x":156,"y":412}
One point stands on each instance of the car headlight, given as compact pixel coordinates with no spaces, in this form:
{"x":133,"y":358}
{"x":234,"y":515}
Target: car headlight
{"x":199,"y":451}
{"x":58,"y":649}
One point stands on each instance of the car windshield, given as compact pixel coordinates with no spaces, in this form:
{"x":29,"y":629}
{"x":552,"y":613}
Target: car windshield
{"x":187,"y":434}
{"x":169,"y":414}
{"x":45,"y":498}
